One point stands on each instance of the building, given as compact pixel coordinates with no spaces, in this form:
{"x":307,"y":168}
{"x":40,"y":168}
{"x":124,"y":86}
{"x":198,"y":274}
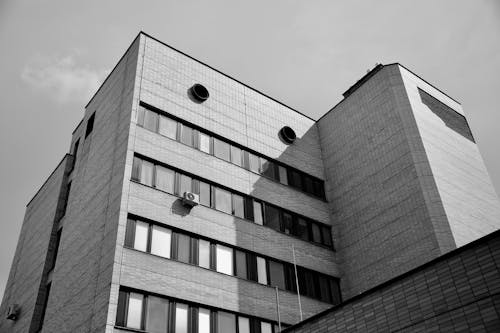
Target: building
{"x":386,"y":181}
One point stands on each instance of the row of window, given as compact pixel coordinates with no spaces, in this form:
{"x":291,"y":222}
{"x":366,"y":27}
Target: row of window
{"x":205,"y":253}
{"x":170,"y":181}
{"x":229,"y":152}
{"x":161,"y":315}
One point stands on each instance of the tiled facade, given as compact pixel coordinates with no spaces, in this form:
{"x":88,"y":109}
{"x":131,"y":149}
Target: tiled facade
{"x":392,"y":201}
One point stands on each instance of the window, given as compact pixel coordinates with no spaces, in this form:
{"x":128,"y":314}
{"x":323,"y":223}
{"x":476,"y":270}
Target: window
{"x":319,"y":188}
{"x":283,"y":177}
{"x":267,"y":168}
{"x":66,"y":199}
{"x":204,"y":253}
{"x":160,"y":241}
{"x":204,"y":142}
{"x":243,"y":325}
{"x":141,"y":236}
{"x":241,"y":264}
{"x":302,"y":229}
{"x":236,"y":157}
{"x":185,"y":184}
{"x":277,"y":274}
{"x":204,"y":320}
{"x":151,"y":121}
{"x":261,"y":270}
{"x":134,"y":314}
{"x":183,"y":247}
{"x":253,"y":162}
{"x":324,"y":289}
{"x":316,"y":233}
{"x":287,"y":223}
{"x":221,"y":149}
{"x":136,"y":169}
{"x":295,"y":179}
{"x":272,"y":217}
{"x":238,"y":206}
{"x":249,"y":208}
{"x":75,"y":152}
{"x":257,"y":212}
{"x":226,"y":322}
{"x":223,"y":200}
{"x":168,"y":127}
{"x":224,"y":259}
{"x":181,"y":318}
{"x":265,"y":327}
{"x":90,"y":125}
{"x":140,"y":115}
{"x":147,"y":169}
{"x":165,"y":179}
{"x":186,"y":135}
{"x":204,"y":194}
{"x":157,"y":315}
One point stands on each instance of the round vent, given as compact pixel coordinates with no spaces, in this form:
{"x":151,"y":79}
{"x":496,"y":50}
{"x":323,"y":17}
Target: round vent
{"x":190,"y":196}
{"x":199,"y":92}
{"x":287,"y":134}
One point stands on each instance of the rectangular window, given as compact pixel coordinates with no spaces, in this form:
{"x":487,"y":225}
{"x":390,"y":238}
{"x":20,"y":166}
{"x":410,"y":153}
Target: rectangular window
{"x":316,"y":233}
{"x":157,"y":315}
{"x":295,"y":179}
{"x":136,"y":169}
{"x":319,"y":188}
{"x":204,"y":194}
{"x":249,"y":208}
{"x":141,"y":236}
{"x":287,"y":223}
{"x":185,"y":184}
{"x":186,"y":135}
{"x":267,"y":168}
{"x":221,"y":149}
{"x":223,"y":200}
{"x":204,"y":142}
{"x":183,"y":247}
{"x":243,"y":325}
{"x":265,"y":327}
{"x":224,"y":259}
{"x":283,"y":175}
{"x":147,"y":170}
{"x":134,"y":314}
{"x":165,"y":179}
{"x":181,"y":318}
{"x":261,"y":270}
{"x":302,"y":229}
{"x":272,"y":217}
{"x":277,"y":274}
{"x":335,"y":290}
{"x":257,"y":212}
{"x":203,"y":320}
{"x":140,"y":115}
{"x":226,"y":322}
{"x":151,"y":121}
{"x":160,"y":241}
{"x":75,"y":152}
{"x":90,"y":125}
{"x":308,"y":184}
{"x":327,"y":236}
{"x":236,"y":157}
{"x":253,"y":163}
{"x":204,"y":253}
{"x":324,"y":289}
{"x":168,"y":127}
{"x":238,"y":206}
{"x":241,"y":264}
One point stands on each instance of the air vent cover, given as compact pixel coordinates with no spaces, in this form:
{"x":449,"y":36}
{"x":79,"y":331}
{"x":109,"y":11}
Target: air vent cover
{"x":287,"y":134}
{"x":199,"y":92}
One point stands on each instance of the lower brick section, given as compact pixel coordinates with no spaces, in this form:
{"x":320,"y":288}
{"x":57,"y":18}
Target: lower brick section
{"x":458,"y":292}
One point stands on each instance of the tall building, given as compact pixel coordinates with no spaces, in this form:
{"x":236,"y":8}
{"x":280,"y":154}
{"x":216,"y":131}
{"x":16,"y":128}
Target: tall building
{"x":190,"y":202}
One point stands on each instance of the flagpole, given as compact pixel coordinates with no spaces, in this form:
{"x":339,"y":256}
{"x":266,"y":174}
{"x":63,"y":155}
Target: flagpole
{"x":297,"y":282}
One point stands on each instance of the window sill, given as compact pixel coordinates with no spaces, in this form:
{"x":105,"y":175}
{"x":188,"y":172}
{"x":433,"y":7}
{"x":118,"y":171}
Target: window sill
{"x":130,"y":329}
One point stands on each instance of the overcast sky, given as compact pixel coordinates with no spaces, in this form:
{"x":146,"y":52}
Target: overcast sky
{"x":54,"y":55}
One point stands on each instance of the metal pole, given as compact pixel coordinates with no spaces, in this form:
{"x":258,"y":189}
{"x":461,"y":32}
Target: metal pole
{"x":278,"y":308}
{"x":297,"y":282}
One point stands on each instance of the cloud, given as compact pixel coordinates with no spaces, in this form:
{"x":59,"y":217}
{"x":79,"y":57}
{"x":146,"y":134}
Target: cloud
{"x":62,"y":78}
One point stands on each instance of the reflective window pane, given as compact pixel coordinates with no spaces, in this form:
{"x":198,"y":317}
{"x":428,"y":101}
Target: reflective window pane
{"x":226,"y":322}
{"x":141,"y":236}
{"x":295,"y":179}
{"x":261,"y":270}
{"x":183,"y":247}
{"x":272,"y":217}
{"x":224,"y":259}
{"x":238,"y":206}
{"x":181,"y":318}
{"x":147,"y":169}
{"x":283,"y":175}
{"x":157,"y":316}
{"x":266,"y":327}
{"x":257,"y":212}
{"x":165,"y":179}
{"x":327,"y":236}
{"x":160,"y":241}
{"x":267,"y":168}
{"x":287,"y":223}
{"x":221,"y":149}
{"x":168,"y":127}
{"x":134,"y":314}
{"x":204,"y":194}
{"x":324,"y":289}
{"x":203,"y":320}
{"x":277,"y":274}
{"x":236,"y":157}
{"x":223,"y":200}
{"x":185,"y":184}
{"x":316,"y":233}
{"x":204,"y":142}
{"x":302,"y":229}
{"x":136,"y":169}
{"x":140,"y":115}
{"x":253,"y":162}
{"x":151,"y":121}
{"x":204,"y":253}
{"x":243,"y":325}
{"x":308,"y":184}
{"x":186,"y":135}
{"x":241,"y":264}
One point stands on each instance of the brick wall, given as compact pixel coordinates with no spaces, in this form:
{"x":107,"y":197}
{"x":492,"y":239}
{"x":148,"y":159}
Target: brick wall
{"x":458,"y":292}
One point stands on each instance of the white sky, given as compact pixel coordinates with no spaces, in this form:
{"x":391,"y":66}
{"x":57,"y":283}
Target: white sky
{"x":54,"y":54}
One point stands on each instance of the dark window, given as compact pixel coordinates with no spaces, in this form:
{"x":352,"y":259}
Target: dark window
{"x":238,"y":206}
{"x":287,"y":223}
{"x":151,"y":121}
{"x":283,"y":175}
{"x":44,"y":305}
{"x":324,"y":289}
{"x":186,"y":135}
{"x":75,"y":152}
{"x":130,"y":233}
{"x":302,"y":229}
{"x":272,"y":217}
{"x":327,"y":236}
{"x":295,"y":179}
{"x":252,"y":267}
{"x":66,"y":199}
{"x":268,"y":168}
{"x":221,"y":149}
{"x":157,"y":314}
{"x":90,"y":125}
{"x":316,"y":233}
{"x":241,"y":264}
{"x":183,"y":247}
{"x":204,"y":189}
{"x":140,"y":115}
{"x":335,"y":290}
{"x":56,"y":249}
{"x":277,"y":274}
{"x":122,"y":307}
{"x":319,"y":188}
{"x":249,"y":208}
{"x":308,"y":184}
{"x":291,"y":281}
{"x":236,"y":156}
{"x":136,"y":169}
